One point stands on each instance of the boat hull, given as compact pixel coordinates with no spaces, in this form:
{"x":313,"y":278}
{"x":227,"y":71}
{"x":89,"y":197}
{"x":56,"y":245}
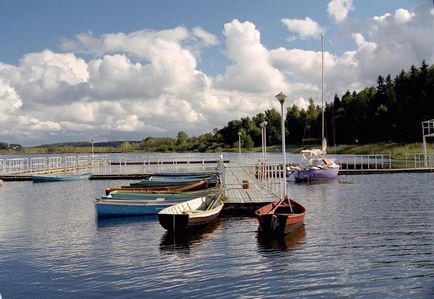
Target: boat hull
{"x":316,"y":174}
{"x":212,"y":182}
{"x":125,"y":208}
{"x":200,"y":185}
{"x":191,"y":215}
{"x":120,"y":195}
{"x":182,"y":223}
{"x":59,"y":178}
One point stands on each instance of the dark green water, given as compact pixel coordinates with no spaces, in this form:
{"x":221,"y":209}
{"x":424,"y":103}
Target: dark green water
{"x":364,"y":236}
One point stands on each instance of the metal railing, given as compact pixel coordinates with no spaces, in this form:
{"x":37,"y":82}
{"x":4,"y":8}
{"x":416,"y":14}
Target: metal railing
{"x":417,"y":160}
{"x":51,"y":163}
{"x":349,"y":162}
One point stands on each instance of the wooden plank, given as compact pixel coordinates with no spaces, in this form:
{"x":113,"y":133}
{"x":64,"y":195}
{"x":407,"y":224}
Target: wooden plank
{"x":234,"y":191}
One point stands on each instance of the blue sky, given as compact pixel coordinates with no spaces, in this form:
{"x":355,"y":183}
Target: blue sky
{"x":65,"y":65}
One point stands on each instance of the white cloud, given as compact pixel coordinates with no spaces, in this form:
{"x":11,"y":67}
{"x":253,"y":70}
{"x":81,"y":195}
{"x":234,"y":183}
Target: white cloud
{"x":148,"y":83}
{"x":207,"y":38}
{"x":338,"y":9}
{"x":9,"y":99}
{"x":382,"y":19}
{"x":304,"y":28}
{"x":251,"y":70}
{"x":363,"y":45}
{"x":302,"y":103}
{"x":403,"y":16}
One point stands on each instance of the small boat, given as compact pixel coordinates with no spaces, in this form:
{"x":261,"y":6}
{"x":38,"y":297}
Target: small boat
{"x":280,"y":217}
{"x":191,"y":215}
{"x":319,"y":167}
{"x":39,"y":178}
{"x":128,"y":208}
{"x":185,"y":174}
{"x":161,"y":181}
{"x":202,"y":184}
{"x":1,"y":182}
{"x":160,"y":195}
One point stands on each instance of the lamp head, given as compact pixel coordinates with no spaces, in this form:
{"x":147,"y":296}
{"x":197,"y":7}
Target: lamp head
{"x":281,"y":97}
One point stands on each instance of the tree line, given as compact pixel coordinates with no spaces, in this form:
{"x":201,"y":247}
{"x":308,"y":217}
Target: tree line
{"x":390,"y":112}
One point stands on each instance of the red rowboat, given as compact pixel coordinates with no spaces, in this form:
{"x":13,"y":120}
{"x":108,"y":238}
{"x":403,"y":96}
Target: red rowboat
{"x":280,"y":217}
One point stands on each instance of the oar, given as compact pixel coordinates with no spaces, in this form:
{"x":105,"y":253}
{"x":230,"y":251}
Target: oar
{"x":213,"y":202}
{"x":280,"y":203}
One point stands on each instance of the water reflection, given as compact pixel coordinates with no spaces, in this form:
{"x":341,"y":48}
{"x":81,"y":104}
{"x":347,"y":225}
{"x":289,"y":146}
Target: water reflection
{"x":318,"y":181}
{"x":122,"y":221}
{"x":288,"y":242}
{"x":181,"y":242}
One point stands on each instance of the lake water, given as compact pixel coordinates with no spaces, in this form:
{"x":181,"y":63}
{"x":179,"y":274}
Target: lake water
{"x":364,"y":236}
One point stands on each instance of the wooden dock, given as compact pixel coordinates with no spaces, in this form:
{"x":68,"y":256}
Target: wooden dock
{"x":244,"y":193}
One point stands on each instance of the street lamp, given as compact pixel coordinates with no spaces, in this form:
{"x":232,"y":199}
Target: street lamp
{"x":281,"y":98}
{"x":264,"y":138}
{"x":239,"y":145}
{"x":91,"y":157}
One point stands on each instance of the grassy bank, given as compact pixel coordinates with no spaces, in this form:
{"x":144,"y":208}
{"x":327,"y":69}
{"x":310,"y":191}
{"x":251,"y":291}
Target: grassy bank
{"x":396,"y":150}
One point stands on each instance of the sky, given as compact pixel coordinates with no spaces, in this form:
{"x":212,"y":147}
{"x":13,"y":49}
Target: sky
{"x":125,"y":70}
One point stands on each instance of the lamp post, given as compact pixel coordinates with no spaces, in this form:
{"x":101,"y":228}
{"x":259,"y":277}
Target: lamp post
{"x":264,"y":138}
{"x":281,"y":98}
{"x":91,"y":157}
{"x":239,"y":145}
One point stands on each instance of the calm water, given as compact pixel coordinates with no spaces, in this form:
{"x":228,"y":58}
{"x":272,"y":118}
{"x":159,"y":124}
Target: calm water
{"x":364,"y":236}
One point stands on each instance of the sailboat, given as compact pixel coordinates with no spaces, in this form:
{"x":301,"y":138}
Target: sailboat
{"x":318,"y":166}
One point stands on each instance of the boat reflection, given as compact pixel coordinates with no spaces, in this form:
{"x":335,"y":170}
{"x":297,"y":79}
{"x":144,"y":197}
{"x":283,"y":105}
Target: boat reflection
{"x":120,"y":221}
{"x":182,"y":242}
{"x":317,"y":181}
{"x":288,"y":242}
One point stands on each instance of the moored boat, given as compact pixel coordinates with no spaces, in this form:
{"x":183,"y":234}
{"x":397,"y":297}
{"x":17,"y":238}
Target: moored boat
{"x":39,"y":178}
{"x":191,"y":215}
{"x":127,"y":208}
{"x":161,"y":181}
{"x":185,"y":174}
{"x":318,"y":167}
{"x":202,"y":184}
{"x":126,"y":195}
{"x":280,"y":217}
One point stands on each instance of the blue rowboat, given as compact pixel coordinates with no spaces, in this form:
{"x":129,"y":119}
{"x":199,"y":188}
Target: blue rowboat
{"x":124,"y":208}
{"x":39,"y":178}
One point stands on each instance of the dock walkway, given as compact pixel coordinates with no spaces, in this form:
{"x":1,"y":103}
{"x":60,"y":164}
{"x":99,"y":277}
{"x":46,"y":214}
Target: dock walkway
{"x":244,"y":193}
{"x":241,"y":187}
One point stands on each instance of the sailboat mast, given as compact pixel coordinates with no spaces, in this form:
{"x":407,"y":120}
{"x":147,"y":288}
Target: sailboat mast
{"x":322,"y":87}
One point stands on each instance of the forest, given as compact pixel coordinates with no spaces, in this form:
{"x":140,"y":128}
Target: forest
{"x":390,"y":112}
